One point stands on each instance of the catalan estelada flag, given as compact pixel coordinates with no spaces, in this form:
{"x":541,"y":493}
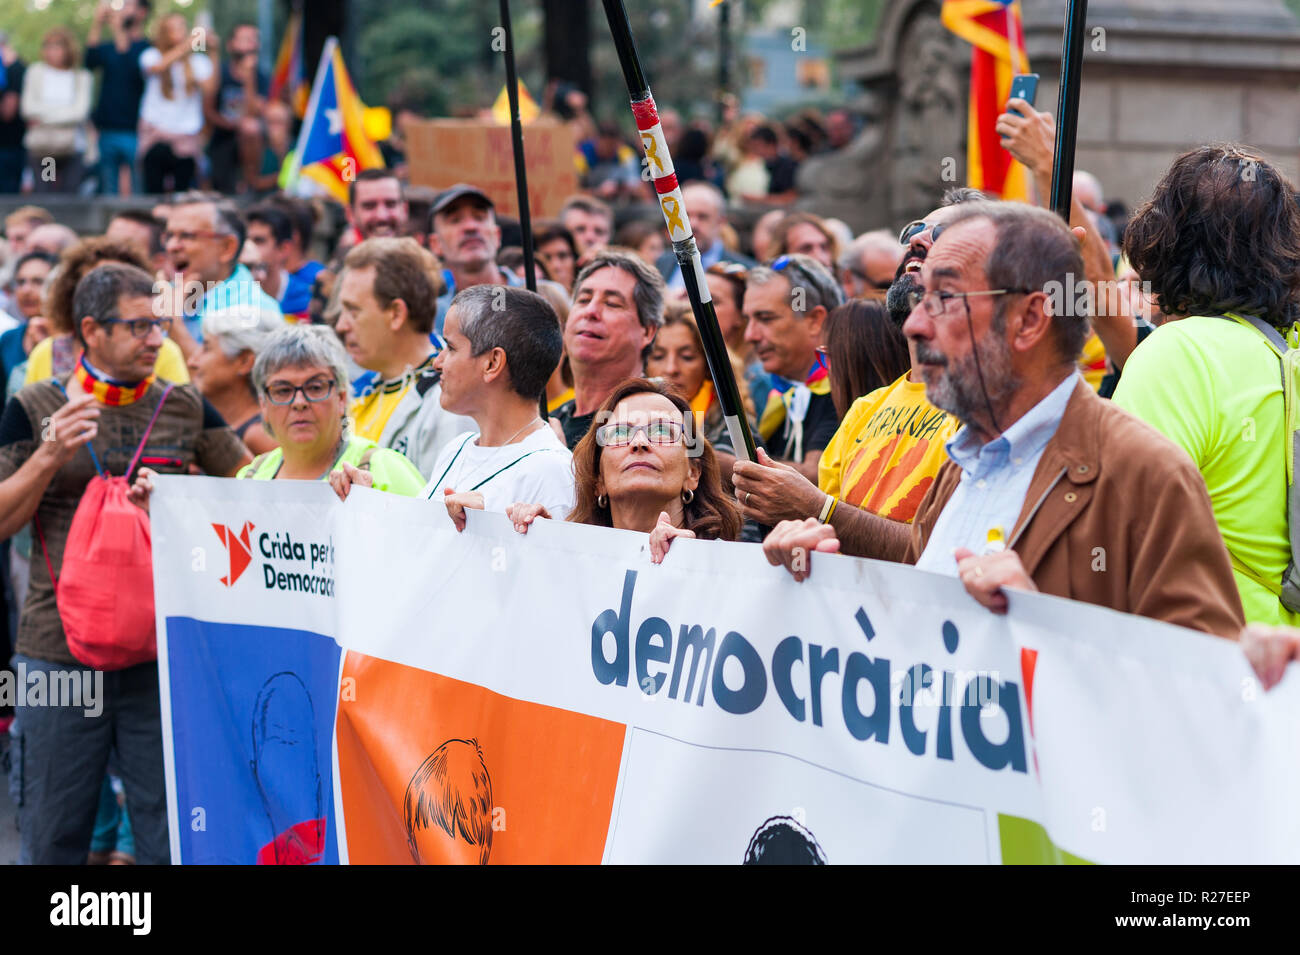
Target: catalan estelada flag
{"x":993,"y":27}
{"x":332,"y":145}
{"x":289,"y":74}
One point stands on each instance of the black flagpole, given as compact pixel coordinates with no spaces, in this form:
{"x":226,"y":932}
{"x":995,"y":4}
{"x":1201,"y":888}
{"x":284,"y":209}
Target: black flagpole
{"x":517,"y":136}
{"x":521,"y":171}
{"x":1067,"y":107}
{"x":679,"y":228}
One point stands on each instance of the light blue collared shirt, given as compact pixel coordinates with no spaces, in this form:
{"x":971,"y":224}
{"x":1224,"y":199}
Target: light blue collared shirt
{"x":995,"y":478}
{"x":240,"y":290}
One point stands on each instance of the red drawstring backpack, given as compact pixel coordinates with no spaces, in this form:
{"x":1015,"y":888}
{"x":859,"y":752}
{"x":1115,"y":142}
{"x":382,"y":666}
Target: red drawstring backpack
{"x":104,"y":589}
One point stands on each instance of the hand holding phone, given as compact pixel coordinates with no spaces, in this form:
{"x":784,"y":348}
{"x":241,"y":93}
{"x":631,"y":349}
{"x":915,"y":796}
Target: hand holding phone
{"x":1023,"y":86}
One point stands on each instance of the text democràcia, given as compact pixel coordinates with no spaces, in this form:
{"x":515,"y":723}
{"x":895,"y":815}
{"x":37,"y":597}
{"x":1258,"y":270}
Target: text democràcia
{"x":655,"y":645}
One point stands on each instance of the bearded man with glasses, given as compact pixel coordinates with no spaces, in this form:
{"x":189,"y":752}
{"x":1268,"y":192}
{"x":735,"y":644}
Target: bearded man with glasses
{"x":1049,"y":487}
{"x":886,"y":452}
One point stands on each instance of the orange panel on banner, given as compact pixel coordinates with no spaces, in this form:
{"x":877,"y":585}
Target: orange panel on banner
{"x":441,"y":771}
{"x":444,"y":152}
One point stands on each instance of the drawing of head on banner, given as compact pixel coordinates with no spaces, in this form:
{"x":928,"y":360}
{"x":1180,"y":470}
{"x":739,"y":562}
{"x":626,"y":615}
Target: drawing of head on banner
{"x":287,"y":771}
{"x":252,"y":712}
{"x":450,"y":798}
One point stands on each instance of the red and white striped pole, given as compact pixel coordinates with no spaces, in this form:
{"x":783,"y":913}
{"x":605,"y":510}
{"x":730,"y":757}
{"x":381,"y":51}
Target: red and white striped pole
{"x":669,"y":192}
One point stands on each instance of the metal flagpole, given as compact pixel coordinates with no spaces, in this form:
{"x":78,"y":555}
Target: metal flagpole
{"x":517,"y":138}
{"x":521,"y":171}
{"x":679,"y":228}
{"x":1067,"y":107}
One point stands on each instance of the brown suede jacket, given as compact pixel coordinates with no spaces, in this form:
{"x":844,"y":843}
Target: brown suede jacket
{"x":1116,"y":515}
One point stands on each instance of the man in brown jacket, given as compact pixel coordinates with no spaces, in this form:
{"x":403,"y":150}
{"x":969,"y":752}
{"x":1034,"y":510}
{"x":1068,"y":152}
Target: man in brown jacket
{"x":1048,"y":487}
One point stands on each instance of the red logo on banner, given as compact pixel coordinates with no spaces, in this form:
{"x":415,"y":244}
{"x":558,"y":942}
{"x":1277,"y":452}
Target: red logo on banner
{"x":239,"y":549}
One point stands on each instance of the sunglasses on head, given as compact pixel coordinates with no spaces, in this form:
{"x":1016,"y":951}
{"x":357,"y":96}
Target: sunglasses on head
{"x":732,"y":270}
{"x":913,"y":229}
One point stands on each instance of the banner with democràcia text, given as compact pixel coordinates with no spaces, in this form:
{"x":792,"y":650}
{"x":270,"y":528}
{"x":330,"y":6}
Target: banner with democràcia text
{"x":356,"y":682}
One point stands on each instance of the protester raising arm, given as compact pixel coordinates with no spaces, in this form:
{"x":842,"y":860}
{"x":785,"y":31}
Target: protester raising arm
{"x":1031,"y":139}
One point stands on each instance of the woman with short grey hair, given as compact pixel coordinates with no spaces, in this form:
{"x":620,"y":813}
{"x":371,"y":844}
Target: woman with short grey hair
{"x":222,"y":368}
{"x":302,"y":388}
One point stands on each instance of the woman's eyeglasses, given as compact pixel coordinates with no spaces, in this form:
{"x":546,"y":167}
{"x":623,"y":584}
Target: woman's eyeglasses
{"x":656,"y":432}
{"x":316,"y":390}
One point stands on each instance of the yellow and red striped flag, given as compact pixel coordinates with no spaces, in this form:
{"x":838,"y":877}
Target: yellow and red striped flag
{"x":333,"y":145}
{"x":288,"y":72}
{"x":994,"y":28}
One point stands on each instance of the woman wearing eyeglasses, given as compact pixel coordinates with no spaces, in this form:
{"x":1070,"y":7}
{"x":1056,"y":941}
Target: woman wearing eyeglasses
{"x":637,"y":469}
{"x":302,"y":386}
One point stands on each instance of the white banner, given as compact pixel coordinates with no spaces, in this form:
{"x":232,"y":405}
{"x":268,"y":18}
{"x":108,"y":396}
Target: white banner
{"x":597,"y":707}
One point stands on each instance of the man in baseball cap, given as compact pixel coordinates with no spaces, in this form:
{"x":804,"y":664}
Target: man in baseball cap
{"x":464,"y":234}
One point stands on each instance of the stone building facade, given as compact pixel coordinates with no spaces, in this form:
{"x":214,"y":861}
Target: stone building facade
{"x":1160,"y":76}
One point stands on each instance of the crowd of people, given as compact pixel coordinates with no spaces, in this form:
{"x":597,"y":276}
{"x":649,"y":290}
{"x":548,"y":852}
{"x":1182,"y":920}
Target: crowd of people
{"x":138,"y":107}
{"x":146,"y":108}
{"x":927,"y":396}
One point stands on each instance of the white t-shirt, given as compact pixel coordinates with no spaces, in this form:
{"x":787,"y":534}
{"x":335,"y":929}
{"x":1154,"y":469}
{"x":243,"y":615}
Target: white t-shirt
{"x":58,"y":87}
{"x":544,"y":477}
{"x":182,"y":114}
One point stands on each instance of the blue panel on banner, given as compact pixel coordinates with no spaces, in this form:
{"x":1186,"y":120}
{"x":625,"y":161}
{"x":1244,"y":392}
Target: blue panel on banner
{"x":252,"y":722}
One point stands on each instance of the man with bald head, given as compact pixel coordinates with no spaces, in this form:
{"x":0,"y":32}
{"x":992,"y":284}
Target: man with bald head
{"x":867,"y":265}
{"x":51,"y":238}
{"x":1088,"y":190}
{"x":707,"y":210}
{"x":1048,"y":487}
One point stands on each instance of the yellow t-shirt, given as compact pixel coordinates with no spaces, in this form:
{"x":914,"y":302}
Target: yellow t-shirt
{"x":169,"y":366}
{"x":370,"y":413}
{"x":559,"y":400}
{"x":887,"y":451}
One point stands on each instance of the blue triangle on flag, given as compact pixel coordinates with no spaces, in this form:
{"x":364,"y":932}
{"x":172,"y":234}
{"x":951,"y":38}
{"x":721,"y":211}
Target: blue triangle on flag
{"x":325,"y":136}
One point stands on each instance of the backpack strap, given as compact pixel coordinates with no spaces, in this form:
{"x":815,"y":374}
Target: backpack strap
{"x":1272,"y":586}
{"x":1276,"y":340}
{"x":94,"y":458}
{"x":149,"y":428}
{"x":1288,"y":358}
{"x":54,"y":581}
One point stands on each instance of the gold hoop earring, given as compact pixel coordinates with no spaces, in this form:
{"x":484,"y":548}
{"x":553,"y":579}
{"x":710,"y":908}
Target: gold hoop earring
{"x":687,"y":496}
{"x":602,"y":501}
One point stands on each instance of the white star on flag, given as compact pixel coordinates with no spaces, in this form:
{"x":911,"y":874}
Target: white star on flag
{"x":335,"y":119}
